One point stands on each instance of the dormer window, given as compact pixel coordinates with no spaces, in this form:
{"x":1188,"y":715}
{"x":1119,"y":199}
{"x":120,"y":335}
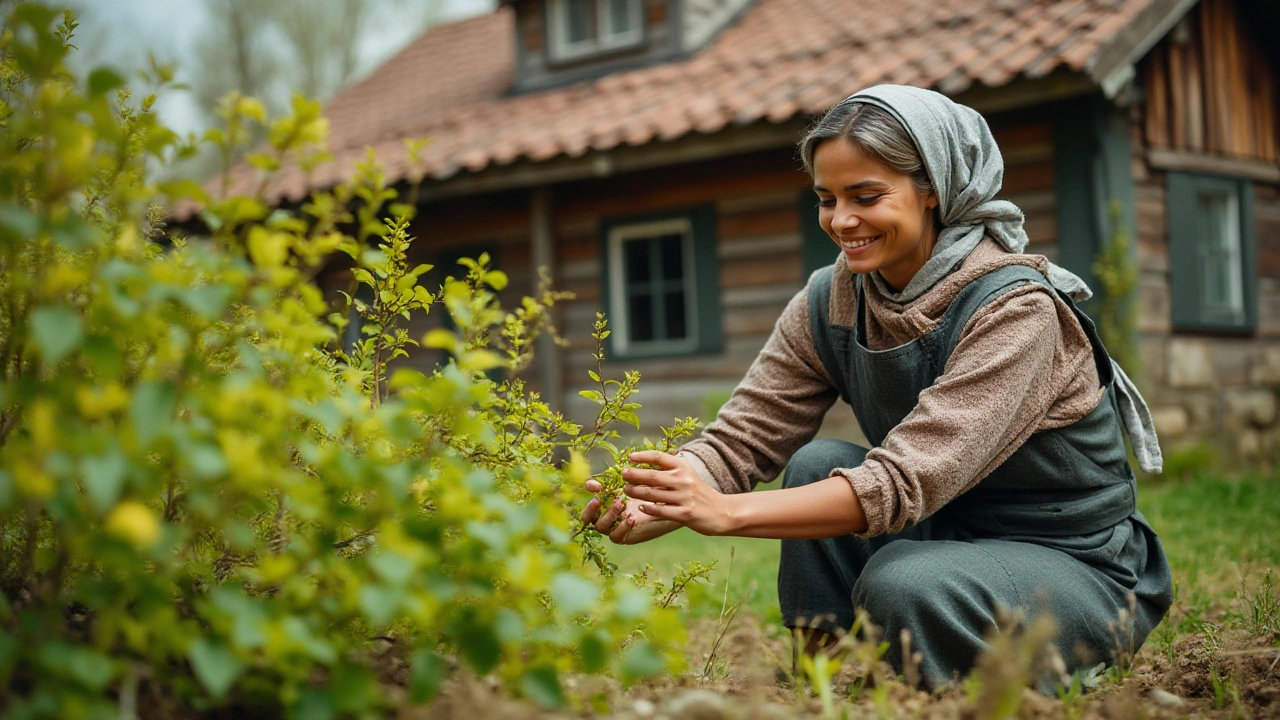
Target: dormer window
{"x":579,"y":28}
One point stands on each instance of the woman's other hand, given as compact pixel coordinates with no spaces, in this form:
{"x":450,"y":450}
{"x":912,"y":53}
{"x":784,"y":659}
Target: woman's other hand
{"x":675,"y":492}
{"x":623,"y":522}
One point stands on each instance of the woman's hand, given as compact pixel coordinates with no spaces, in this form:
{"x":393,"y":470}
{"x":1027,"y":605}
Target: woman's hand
{"x":675,"y":492}
{"x":623,"y":522}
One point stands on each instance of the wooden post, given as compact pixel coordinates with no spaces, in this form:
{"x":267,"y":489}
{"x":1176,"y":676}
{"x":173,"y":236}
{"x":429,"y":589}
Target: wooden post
{"x":542,"y":237}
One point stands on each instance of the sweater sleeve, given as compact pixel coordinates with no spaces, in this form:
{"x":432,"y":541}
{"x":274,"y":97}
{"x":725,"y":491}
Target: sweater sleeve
{"x":777,"y":408}
{"x":1008,"y":370}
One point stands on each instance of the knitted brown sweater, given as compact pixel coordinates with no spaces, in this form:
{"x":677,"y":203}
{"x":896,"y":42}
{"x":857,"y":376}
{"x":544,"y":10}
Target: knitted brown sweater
{"x":1023,"y":365}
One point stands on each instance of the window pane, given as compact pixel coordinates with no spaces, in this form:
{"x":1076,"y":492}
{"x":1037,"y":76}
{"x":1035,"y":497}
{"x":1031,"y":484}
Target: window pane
{"x":674,"y":312}
{"x":1219,"y":251}
{"x":581,"y":21}
{"x":636,"y":261}
{"x":640,"y":317}
{"x":672,"y":254}
{"x":621,"y":16}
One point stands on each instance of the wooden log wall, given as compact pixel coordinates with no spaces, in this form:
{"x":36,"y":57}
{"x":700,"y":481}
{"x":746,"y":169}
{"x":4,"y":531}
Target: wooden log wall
{"x":759,"y":251}
{"x":1211,"y":88}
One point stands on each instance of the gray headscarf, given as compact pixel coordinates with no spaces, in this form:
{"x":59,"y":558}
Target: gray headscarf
{"x":967,"y":170}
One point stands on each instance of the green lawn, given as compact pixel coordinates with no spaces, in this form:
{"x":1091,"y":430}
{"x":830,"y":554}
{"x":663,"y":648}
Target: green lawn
{"x":1211,"y":529}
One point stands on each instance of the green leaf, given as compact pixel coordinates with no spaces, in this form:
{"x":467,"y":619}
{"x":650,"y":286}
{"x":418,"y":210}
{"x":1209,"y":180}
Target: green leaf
{"x":208,"y":301}
{"x":379,"y":602}
{"x":184,"y":188}
{"x":509,"y":626}
{"x":74,"y":233}
{"x":56,"y":331}
{"x":215,"y":666}
{"x":629,"y":417}
{"x":152,"y":409}
{"x":313,"y":704}
{"x":641,"y":661}
{"x":392,"y":567}
{"x":20,"y":220}
{"x":542,"y":686}
{"x":574,"y":594}
{"x":634,"y":605}
{"x":103,"y":356}
{"x":90,"y":667}
{"x":102,"y":81}
{"x":206,"y":460}
{"x":104,"y":478}
{"x":479,"y":643}
{"x":426,"y":675}
{"x":594,"y":652}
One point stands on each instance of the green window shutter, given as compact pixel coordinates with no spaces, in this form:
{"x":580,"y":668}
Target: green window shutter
{"x":707,"y":279}
{"x":640,"y":298}
{"x":1213,"y":279}
{"x":1184,"y":269}
{"x":817,"y":249}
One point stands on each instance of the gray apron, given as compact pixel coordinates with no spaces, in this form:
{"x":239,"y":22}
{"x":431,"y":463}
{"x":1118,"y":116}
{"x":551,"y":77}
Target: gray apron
{"x":1054,"y":529}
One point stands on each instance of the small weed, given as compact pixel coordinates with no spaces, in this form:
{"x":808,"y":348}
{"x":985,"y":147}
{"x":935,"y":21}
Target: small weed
{"x":1070,"y":694}
{"x":821,"y":669}
{"x":1019,"y":656}
{"x":1225,"y":691}
{"x":727,"y":615}
{"x":1124,"y":645}
{"x":1262,"y":607}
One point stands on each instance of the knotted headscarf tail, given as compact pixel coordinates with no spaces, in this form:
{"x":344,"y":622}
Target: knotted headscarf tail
{"x":966,"y":169}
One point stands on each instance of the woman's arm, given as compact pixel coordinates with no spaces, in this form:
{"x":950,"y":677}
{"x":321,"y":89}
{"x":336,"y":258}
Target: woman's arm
{"x":674,"y":492}
{"x":777,"y":408}
{"x":1001,"y":382}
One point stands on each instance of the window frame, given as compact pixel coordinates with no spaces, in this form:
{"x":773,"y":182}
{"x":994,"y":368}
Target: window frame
{"x":701,"y":284}
{"x":561,"y":50}
{"x":1186,"y":286}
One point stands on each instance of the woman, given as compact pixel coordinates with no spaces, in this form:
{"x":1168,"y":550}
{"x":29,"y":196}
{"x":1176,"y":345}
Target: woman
{"x":998,"y":476}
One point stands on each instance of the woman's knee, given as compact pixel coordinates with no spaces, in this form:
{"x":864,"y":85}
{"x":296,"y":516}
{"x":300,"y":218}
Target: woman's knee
{"x":815,"y":461}
{"x":908,"y":582}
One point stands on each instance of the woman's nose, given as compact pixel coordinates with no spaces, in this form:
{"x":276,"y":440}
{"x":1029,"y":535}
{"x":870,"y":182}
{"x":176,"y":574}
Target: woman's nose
{"x":846,"y":218}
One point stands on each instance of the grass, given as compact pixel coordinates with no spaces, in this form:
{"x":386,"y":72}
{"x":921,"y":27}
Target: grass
{"x":1211,"y":528}
{"x":1218,"y":650}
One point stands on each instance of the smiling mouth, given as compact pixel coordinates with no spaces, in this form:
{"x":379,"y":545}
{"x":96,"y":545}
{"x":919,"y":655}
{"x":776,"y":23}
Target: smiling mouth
{"x":855,"y":244}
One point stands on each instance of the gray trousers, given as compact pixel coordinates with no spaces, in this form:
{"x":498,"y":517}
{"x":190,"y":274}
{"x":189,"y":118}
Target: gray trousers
{"x":947,"y":588}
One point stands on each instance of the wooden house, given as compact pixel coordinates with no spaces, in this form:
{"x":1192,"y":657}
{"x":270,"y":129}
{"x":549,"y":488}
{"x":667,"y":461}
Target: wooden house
{"x":643,"y":152}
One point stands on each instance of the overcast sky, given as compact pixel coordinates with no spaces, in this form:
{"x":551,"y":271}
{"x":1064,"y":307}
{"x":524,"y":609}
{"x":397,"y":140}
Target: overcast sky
{"x":123,"y":31}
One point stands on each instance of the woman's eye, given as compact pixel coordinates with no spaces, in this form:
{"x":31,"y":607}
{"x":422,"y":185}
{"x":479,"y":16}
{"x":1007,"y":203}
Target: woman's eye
{"x":869,"y":199}
{"x":826,"y":202}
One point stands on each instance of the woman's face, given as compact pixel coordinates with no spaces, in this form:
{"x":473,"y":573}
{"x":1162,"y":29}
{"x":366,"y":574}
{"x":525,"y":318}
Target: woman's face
{"x":873,"y":212}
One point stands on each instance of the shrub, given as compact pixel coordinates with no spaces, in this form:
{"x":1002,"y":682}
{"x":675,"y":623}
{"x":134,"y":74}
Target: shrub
{"x":201,"y":496}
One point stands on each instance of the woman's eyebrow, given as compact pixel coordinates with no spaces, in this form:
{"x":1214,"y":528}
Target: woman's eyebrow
{"x":854,"y":187}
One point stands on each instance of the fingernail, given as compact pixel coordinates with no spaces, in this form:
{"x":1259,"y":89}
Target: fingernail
{"x":617,"y":505}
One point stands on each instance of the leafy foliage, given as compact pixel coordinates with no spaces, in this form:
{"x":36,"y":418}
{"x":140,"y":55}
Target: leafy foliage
{"x":202,"y":494}
{"x":1117,"y":273}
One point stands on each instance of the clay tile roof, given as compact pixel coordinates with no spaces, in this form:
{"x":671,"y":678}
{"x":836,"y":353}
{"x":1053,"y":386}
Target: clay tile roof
{"x":780,"y":59}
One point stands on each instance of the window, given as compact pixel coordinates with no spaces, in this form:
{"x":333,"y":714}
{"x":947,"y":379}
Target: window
{"x":1213,"y":276}
{"x":662,"y":285}
{"x":587,"y":27}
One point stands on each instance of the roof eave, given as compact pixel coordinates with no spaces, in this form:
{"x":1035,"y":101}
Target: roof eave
{"x":694,"y":147}
{"x":1112,"y":65}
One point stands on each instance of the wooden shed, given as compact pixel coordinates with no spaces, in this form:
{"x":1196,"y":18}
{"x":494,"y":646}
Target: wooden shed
{"x":642,"y":151}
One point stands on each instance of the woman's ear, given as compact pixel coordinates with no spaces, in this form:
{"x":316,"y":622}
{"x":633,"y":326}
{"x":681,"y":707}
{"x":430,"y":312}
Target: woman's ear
{"x":931,"y":202}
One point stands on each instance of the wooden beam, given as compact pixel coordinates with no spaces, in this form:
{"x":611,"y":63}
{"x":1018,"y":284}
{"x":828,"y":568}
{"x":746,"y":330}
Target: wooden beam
{"x":1111,"y":66}
{"x":1022,"y":92}
{"x":1261,"y":171}
{"x":693,"y":147}
{"x":542,"y":237}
